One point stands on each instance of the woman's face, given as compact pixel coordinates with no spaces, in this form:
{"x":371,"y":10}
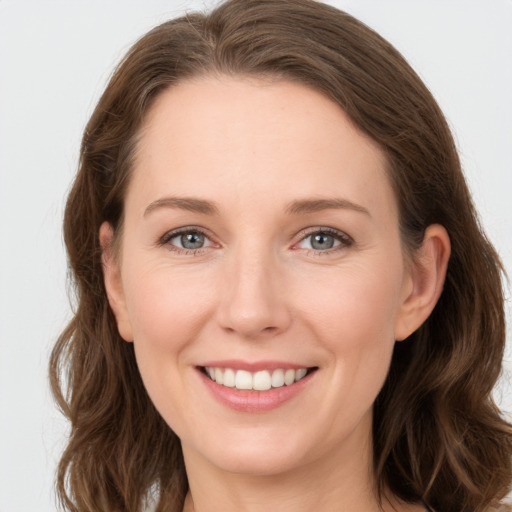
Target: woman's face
{"x":260,"y":243}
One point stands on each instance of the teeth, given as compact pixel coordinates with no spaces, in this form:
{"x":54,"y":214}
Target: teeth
{"x":262,"y":381}
{"x":289,"y":377}
{"x":243,"y":380}
{"x":229,"y":378}
{"x":278,"y":378}
{"x":258,"y":381}
{"x":299,"y":374}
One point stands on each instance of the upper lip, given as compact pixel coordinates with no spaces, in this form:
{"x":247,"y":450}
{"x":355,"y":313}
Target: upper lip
{"x":255,"y":366}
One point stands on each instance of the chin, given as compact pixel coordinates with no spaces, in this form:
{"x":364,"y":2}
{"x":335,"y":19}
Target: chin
{"x":257,"y":464}
{"x":250,"y":453}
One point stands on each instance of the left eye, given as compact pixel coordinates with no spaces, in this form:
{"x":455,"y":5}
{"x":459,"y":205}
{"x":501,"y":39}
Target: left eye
{"x":191,"y":240}
{"x":323,"y":241}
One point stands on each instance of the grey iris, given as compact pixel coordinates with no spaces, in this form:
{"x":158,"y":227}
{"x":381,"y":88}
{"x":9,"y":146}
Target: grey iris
{"x":322,"y":241}
{"x":192,"y":240}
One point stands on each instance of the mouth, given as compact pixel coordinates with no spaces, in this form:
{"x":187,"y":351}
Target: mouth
{"x":262,"y":380}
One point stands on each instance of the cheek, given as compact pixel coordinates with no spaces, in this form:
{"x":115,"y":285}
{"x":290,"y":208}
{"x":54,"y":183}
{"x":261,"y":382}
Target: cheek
{"x":353,"y":319}
{"x":355,"y":309}
{"x":166,"y":308}
{"x":167,"y":311}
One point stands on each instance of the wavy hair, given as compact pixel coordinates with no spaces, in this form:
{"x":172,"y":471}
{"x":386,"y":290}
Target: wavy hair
{"x":437,"y":434}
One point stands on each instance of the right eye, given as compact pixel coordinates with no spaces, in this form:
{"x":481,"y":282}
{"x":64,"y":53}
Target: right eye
{"x":188,"y":240}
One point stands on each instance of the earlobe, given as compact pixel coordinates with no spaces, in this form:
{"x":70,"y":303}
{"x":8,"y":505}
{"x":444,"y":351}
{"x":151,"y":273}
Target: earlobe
{"x":113,"y":282}
{"x":427,"y":276}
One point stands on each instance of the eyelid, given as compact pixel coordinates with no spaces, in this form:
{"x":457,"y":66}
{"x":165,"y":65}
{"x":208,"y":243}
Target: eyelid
{"x":344,"y":239}
{"x":173,"y":233}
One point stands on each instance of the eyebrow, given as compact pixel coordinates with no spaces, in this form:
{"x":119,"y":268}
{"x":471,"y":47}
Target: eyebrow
{"x":297,"y":207}
{"x":304,"y":206}
{"x":190,"y":204}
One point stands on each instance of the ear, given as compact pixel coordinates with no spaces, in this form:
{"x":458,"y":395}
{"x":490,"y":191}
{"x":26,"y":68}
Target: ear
{"x":113,"y":282}
{"x":425,"y":281}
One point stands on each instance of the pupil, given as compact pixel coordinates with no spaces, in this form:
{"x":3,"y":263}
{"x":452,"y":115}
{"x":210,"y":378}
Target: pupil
{"x":321,"y":241}
{"x":192,"y":240}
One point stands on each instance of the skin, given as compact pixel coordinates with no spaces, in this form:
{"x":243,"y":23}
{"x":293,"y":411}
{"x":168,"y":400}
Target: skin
{"x":258,"y":290}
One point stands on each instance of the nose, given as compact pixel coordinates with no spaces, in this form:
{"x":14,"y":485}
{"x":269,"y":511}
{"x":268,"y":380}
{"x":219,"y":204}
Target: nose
{"x":253,"y":300}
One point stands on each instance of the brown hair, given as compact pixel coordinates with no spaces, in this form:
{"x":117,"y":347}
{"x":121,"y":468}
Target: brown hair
{"x":438,"y":436}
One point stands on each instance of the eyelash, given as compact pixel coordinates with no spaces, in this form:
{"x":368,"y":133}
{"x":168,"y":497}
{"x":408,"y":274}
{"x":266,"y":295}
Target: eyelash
{"x":166,"y":239}
{"x":344,"y":239}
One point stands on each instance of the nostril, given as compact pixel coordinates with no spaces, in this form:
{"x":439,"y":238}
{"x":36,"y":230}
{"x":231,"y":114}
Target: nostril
{"x":251,"y":330}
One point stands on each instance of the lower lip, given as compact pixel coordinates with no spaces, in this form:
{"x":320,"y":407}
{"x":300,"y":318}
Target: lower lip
{"x":255,"y":401}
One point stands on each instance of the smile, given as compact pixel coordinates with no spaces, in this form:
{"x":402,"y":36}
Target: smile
{"x":258,"y":381}
{"x":256,"y":387}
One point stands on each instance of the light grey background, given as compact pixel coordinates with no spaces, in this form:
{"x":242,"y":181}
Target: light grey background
{"x":55,"y":58}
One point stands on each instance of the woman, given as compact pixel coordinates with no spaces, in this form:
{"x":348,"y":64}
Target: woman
{"x":271,"y":239}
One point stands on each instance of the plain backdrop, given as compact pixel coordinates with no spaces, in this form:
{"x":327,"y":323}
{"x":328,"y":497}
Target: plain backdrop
{"x":55,"y":59}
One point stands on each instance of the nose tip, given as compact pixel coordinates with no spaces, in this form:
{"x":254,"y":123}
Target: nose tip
{"x":253,"y":303}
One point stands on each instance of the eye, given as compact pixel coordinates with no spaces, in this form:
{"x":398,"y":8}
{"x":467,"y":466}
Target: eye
{"x":186,"y":240}
{"x":325,"y":239}
{"x":192,"y":240}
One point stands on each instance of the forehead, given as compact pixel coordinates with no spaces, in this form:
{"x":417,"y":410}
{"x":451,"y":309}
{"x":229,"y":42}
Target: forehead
{"x":218,"y":134}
